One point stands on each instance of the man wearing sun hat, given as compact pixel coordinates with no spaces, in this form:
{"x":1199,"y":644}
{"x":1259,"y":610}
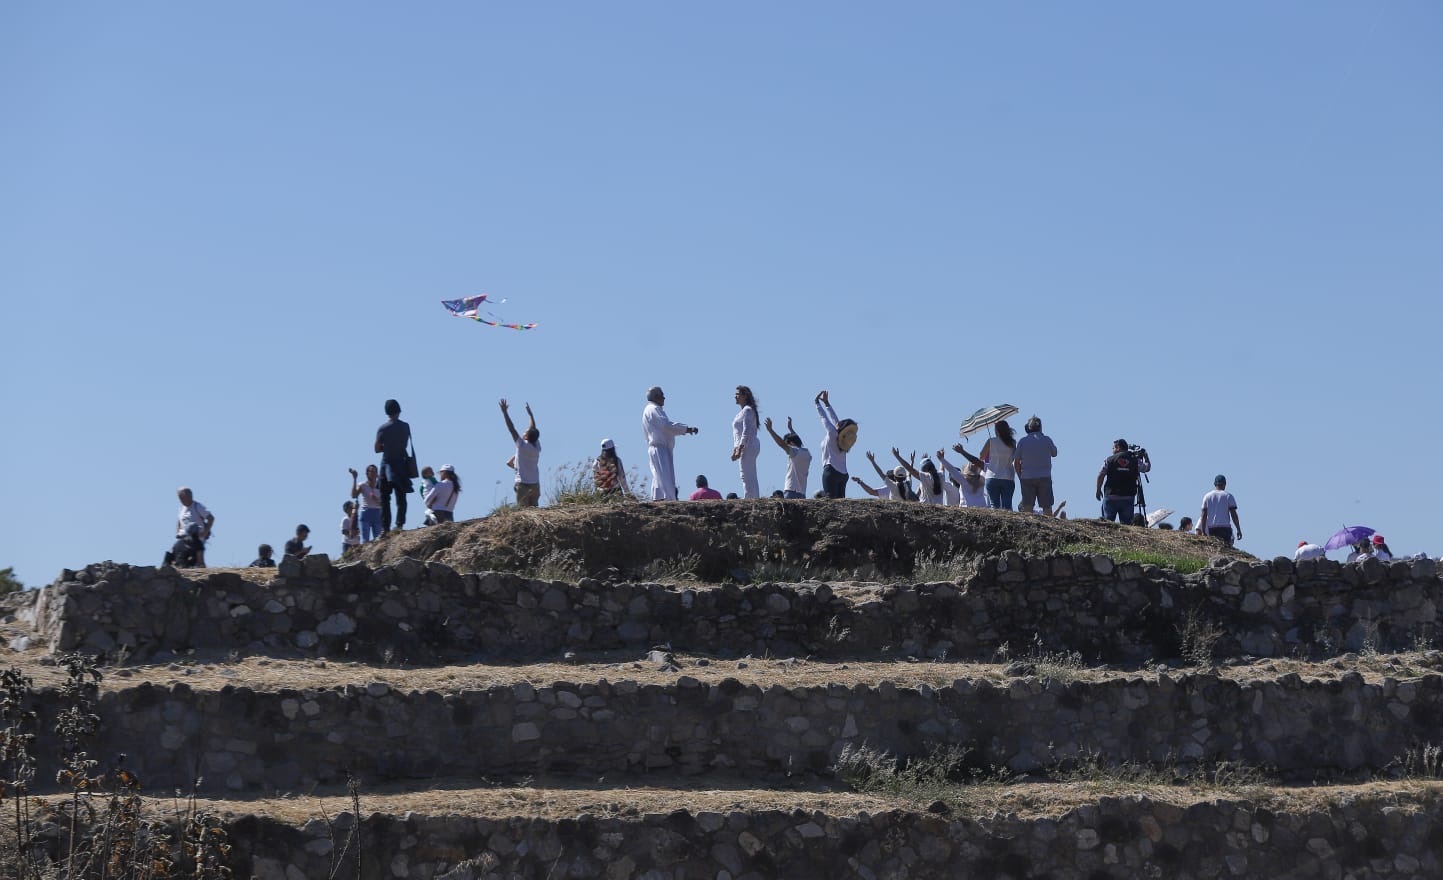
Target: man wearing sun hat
{"x":1217,"y":506}
{"x":1307,"y":550}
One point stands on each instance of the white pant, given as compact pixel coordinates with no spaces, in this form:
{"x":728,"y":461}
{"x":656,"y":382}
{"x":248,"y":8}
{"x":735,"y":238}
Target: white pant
{"x":748,"y":463}
{"x":663,"y":476}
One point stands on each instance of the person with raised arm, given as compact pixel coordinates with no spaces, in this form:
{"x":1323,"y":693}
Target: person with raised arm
{"x":929,"y":479}
{"x":528,"y":458}
{"x":841,"y":435}
{"x":970,"y":481}
{"x":799,"y":460}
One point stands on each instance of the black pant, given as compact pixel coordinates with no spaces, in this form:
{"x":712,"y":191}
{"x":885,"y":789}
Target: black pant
{"x":386,"y":489}
{"x":834,"y":482}
{"x":1222,"y":533}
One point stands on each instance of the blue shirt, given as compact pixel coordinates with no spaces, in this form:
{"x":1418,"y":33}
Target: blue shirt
{"x":1035,"y":452}
{"x":393,"y":436}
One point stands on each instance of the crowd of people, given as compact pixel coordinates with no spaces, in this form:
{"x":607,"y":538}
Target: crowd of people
{"x":991,"y":478}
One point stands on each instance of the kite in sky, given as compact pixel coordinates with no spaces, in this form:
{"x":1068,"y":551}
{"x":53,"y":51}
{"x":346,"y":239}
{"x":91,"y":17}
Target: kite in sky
{"x":470,"y":307}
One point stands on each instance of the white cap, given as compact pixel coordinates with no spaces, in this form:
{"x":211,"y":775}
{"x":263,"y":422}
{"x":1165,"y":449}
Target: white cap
{"x":607,"y":444}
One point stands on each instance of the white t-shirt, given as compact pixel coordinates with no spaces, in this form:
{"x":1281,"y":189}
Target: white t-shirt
{"x":1382,"y":555}
{"x":1217,"y":504}
{"x":999,"y":461}
{"x":970,"y":497}
{"x":951,"y":495}
{"x":799,"y":465}
{"x":194,"y":515}
{"x":1308,"y":551}
{"x":924,"y":488}
{"x":370,"y":496}
{"x":528,"y":461}
{"x":349,"y":537}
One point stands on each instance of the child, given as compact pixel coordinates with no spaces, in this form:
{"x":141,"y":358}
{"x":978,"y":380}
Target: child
{"x":350,"y":531}
{"x":263,"y":557}
{"x":296,"y":547}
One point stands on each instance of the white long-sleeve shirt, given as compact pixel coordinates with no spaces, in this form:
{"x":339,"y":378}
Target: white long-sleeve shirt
{"x":744,"y":429}
{"x":970,"y":497}
{"x":442,"y":496}
{"x":660,"y":431}
{"x":832,"y":454}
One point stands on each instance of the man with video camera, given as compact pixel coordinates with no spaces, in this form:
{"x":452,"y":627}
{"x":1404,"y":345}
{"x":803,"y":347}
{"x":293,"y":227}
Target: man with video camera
{"x":1118,"y":479}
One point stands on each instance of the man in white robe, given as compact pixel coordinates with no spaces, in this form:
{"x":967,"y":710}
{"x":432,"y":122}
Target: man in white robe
{"x":661,"y":433}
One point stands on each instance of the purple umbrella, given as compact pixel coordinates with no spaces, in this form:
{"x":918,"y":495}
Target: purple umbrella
{"x":1347,"y":536}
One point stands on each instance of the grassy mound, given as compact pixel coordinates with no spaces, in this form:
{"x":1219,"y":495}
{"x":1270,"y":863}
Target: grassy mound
{"x":772,"y":539}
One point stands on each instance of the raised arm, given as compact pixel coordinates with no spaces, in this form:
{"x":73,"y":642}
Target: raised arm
{"x":948,"y":467}
{"x":880,"y":473}
{"x":906,"y":464}
{"x":355,"y":487}
{"x":506,"y":414}
{"x":777,"y":438}
{"x":824,"y":409}
{"x":957,"y":447}
{"x":531,"y":418}
{"x":865,"y":488}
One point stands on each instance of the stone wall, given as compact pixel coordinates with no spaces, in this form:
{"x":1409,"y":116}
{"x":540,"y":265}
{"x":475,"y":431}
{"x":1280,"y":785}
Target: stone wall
{"x":426,"y":612}
{"x":1117,"y":837}
{"x":239,"y":739}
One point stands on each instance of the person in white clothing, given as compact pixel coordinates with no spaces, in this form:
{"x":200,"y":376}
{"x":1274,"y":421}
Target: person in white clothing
{"x":661,"y":433}
{"x":799,"y":460}
{"x":192,"y":529}
{"x":745,"y":443}
{"x":841,"y":435}
{"x":441,"y":499}
{"x":1308,"y":551}
{"x":1217,"y":506}
{"x":971,"y":485}
{"x":929,"y":479}
{"x":528,"y":458}
{"x":895,"y":481}
{"x":1380,"y":549}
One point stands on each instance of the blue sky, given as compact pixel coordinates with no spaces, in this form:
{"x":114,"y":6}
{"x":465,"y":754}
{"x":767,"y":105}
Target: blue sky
{"x":1216,"y":231}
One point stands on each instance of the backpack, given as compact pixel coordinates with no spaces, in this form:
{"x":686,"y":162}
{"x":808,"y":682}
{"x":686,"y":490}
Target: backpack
{"x":1121,"y":475}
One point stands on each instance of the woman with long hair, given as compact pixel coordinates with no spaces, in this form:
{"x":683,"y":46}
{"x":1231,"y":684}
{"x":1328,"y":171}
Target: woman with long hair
{"x":929,"y":479}
{"x":969,"y":480}
{"x":441,"y":500}
{"x":745,"y":444}
{"x":607,"y":472}
{"x":996,"y":464}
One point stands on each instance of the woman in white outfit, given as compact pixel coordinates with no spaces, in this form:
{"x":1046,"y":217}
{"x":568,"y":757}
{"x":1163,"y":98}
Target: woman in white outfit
{"x":745,"y":443}
{"x":970,"y":483}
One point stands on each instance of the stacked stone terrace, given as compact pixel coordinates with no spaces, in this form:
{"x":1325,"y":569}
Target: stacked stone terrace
{"x":415,"y":678}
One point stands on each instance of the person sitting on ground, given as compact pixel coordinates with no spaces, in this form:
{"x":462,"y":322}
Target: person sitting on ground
{"x":970,"y":482}
{"x":192,"y":526}
{"x":1184,"y":525}
{"x":703,"y":491}
{"x":607,"y":472}
{"x":799,"y":460}
{"x":264,"y":557}
{"x":369,"y":492}
{"x":929,"y":479}
{"x":350,"y":529}
{"x":1308,"y":550}
{"x":296,"y":547}
{"x":1380,"y":549}
{"x":778,"y":493}
{"x":528,"y":459}
{"x":732,"y":496}
{"x":1165,"y":526}
{"x":441,"y":500}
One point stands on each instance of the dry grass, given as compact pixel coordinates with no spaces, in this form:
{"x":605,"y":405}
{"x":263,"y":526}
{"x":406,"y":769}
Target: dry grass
{"x":269,"y":674}
{"x":606,"y":798}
